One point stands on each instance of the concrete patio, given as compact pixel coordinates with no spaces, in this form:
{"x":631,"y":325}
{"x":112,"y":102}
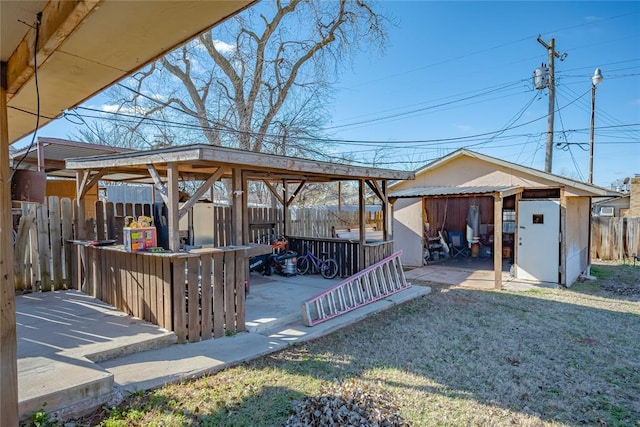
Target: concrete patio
{"x":76,"y":353}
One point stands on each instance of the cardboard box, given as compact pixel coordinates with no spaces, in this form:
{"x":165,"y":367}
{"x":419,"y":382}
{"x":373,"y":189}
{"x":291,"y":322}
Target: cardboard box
{"x":139,"y":239}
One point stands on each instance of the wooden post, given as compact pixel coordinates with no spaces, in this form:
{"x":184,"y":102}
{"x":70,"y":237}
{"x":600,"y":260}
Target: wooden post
{"x":285,"y":208}
{"x":363,"y":224}
{"x":8,"y":340}
{"x":497,"y":240}
{"x":386,"y":213}
{"x":236,"y":206}
{"x":172,"y":208}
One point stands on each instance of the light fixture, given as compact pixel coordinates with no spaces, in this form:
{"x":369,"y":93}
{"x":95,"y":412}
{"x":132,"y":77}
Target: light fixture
{"x":595,"y":80}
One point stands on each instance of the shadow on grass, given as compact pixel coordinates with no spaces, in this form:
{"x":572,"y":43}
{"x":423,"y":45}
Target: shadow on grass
{"x":613,"y":281}
{"x":554,"y":361}
{"x":266,"y":406}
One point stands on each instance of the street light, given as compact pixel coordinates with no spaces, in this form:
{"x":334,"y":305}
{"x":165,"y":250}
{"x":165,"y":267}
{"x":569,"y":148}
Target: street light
{"x":595,"y":80}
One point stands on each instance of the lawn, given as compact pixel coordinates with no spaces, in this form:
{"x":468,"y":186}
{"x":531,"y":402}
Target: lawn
{"x":455,"y":357}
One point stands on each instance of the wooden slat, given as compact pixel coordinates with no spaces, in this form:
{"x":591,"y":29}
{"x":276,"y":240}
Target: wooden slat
{"x":193,"y":299}
{"x":146,"y":289}
{"x":55,"y":235}
{"x":241,"y":280}
{"x":67,"y":234}
{"x":179,"y":301}
{"x":42,"y":220}
{"x":111,"y":220}
{"x":100,"y":220}
{"x":207,"y":297}
{"x":159,"y":288}
{"x":140,"y":295}
{"x":167,"y":308}
{"x":229,"y":292}
{"x":218,"y":295}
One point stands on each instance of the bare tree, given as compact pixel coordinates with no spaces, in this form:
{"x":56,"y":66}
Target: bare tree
{"x":261,"y":81}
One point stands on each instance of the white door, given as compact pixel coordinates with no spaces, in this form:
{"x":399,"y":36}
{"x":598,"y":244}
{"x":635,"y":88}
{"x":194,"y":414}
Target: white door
{"x":538,"y":250}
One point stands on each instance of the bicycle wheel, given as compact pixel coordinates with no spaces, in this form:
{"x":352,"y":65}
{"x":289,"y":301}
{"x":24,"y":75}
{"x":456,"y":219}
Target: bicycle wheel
{"x":329,"y":268}
{"x":303,"y":265}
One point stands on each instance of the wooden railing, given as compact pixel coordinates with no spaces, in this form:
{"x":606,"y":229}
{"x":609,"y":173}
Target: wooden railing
{"x":198,"y":295}
{"x":345,"y":252}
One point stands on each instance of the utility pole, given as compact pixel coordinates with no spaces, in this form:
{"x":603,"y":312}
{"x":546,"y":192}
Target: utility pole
{"x":551,"y":48}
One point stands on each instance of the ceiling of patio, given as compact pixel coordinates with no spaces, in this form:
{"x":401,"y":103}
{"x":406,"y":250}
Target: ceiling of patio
{"x":86,"y":46}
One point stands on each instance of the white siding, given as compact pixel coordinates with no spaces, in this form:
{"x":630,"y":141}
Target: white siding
{"x":577,"y":237}
{"x":407,"y":230}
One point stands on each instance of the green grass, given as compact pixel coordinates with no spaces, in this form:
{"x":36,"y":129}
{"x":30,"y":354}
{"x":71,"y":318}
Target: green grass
{"x":551,"y":357}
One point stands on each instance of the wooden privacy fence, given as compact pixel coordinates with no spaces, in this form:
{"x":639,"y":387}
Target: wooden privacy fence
{"x":615,"y":238}
{"x":345,"y":252}
{"x":319,"y":222}
{"x":198,"y":296}
{"x":42,"y":253}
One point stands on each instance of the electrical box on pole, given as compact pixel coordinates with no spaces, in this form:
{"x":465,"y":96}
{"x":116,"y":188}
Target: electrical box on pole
{"x":551,"y":48}
{"x":541,"y":77}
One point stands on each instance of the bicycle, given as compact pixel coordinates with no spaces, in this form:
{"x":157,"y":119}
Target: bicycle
{"x":328,"y":267}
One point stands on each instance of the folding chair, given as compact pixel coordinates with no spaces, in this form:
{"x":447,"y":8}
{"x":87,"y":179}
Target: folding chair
{"x":458,"y":248}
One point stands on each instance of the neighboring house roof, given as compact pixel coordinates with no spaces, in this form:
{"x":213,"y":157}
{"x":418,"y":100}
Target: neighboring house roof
{"x":54,"y":153}
{"x":452,"y":191}
{"x":594,"y":190}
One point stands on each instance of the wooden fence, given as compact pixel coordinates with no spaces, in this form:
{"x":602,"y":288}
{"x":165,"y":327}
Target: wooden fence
{"x":198,"y":296}
{"x":345,"y":252}
{"x":43,"y":253}
{"x":615,"y":238}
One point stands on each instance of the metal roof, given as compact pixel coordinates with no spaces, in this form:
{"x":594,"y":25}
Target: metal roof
{"x":55,"y":151}
{"x":451,"y":191}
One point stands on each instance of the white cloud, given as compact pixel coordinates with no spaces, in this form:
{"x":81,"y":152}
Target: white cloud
{"x":111,"y":108}
{"x":224,"y":47}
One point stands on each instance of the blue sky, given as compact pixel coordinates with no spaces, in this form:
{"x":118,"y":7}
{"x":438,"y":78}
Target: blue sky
{"x":477,"y":58}
{"x":454,"y":70}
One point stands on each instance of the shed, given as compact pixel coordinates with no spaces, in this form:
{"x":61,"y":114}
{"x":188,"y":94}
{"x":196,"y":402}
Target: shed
{"x":547,"y":215}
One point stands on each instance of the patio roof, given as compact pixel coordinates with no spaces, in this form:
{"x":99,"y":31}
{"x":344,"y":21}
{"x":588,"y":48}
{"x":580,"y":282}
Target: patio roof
{"x":199,"y":162}
{"x":54,"y":151}
{"x":454,"y":191}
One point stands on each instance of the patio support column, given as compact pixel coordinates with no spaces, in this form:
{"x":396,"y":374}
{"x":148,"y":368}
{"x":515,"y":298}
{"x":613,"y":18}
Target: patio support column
{"x":245,"y":209}
{"x":497,"y":240}
{"x":363,"y":223}
{"x":8,"y":340}
{"x":285,"y":207}
{"x":386,"y":213}
{"x":173,"y":200}
{"x":236,"y":206}
{"x":81,"y":220}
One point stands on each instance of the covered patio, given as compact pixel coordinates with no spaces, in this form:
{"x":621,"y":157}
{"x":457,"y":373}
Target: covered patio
{"x":200,"y":293}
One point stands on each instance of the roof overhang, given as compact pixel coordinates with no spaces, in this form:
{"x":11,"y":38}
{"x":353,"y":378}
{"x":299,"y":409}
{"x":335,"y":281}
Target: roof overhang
{"x":87,"y":45}
{"x":502,"y":191}
{"x":49,"y":155}
{"x":580,"y":187}
{"x":199,"y":162}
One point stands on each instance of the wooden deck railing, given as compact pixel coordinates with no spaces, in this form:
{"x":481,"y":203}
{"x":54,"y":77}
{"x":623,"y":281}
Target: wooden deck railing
{"x":197,"y":295}
{"x":345,"y":252}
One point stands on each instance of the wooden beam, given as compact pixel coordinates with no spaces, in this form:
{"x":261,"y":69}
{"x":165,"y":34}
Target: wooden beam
{"x":287,"y":214}
{"x":172,"y":206}
{"x":295,"y":193}
{"x":497,"y":241}
{"x":8,"y":339}
{"x":93,"y":181}
{"x":375,"y":187}
{"x":363,"y":222}
{"x":236,"y":206}
{"x":59,"y":19}
{"x":158,"y":184}
{"x":245,"y":211}
{"x":199,"y":192}
{"x":274,"y":191}
{"x":81,"y":180}
{"x":386,"y":213}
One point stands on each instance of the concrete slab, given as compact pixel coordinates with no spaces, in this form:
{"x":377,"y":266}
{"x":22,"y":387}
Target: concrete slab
{"x":158,"y":367}
{"x":74,"y":352}
{"x":60,"y":335}
{"x":471,"y":278}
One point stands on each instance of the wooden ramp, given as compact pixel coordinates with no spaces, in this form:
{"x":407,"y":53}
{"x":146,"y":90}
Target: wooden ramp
{"x":381,"y":279}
